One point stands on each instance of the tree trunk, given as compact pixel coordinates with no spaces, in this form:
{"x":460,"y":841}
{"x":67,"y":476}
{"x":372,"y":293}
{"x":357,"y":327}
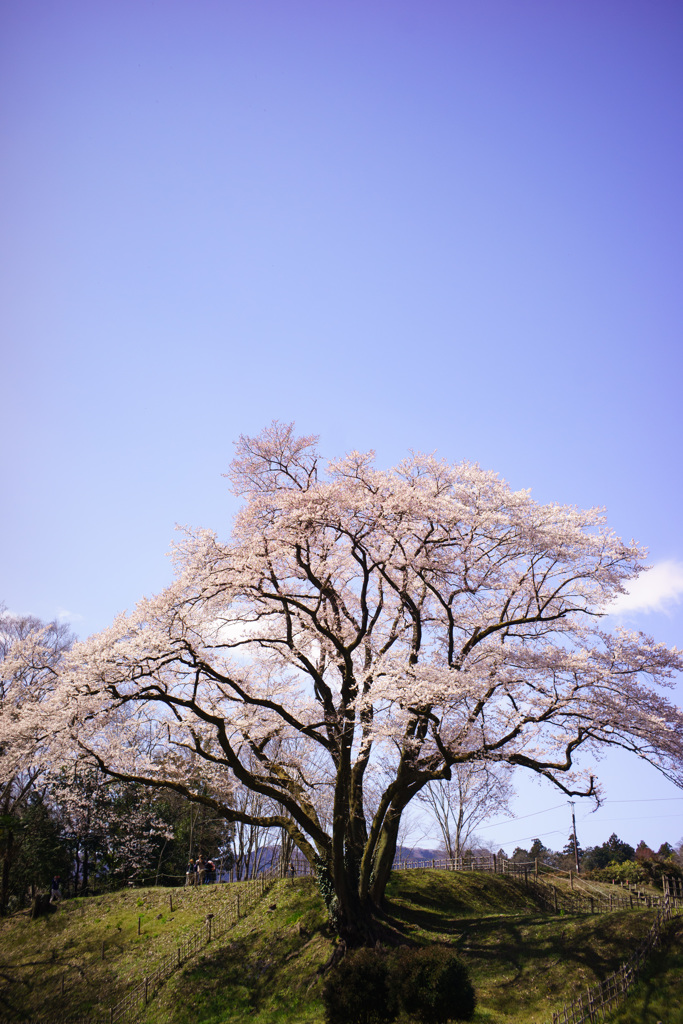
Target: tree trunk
{"x":77,"y":866}
{"x":384,"y":858}
{"x":156,"y":880}
{"x":352,"y":918}
{"x":84,"y":873}
{"x":6,"y":865}
{"x":353,"y":903}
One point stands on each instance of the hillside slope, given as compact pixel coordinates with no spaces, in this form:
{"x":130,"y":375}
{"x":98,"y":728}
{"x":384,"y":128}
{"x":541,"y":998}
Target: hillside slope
{"x":82,"y":959}
{"x":524,"y":962}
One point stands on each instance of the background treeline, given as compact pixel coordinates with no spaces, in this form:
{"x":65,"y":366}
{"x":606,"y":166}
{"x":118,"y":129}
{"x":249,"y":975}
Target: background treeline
{"x":613,"y":860}
{"x":97,"y":835}
{"x":74,"y":822}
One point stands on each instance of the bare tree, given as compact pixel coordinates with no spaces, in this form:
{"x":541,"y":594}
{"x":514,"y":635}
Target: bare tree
{"x":460,"y":804}
{"x":249,"y":837}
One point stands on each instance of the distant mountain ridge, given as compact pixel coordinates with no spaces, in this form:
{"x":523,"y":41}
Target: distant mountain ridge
{"x":418,"y":853}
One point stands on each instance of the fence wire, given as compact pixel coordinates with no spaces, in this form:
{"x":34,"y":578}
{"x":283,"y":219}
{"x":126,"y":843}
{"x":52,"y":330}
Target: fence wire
{"x":606,"y":995}
{"x":599,"y":998}
{"x":244,"y":898}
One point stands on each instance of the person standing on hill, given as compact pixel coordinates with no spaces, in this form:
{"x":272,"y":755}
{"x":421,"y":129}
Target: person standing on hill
{"x":201,"y":869}
{"x":190,"y":874}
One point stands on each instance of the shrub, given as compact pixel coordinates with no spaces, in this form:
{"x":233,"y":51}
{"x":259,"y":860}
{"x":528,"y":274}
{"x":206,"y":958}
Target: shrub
{"x":629,"y":871}
{"x":433,"y":985}
{"x":358,"y":990}
{"x":655,"y":867}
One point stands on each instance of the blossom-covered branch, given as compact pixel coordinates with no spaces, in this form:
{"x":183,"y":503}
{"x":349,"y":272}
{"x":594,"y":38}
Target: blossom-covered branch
{"x":367,"y":629}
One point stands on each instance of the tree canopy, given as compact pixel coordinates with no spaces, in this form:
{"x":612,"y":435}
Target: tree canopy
{"x":363,"y":633}
{"x":30,"y":654}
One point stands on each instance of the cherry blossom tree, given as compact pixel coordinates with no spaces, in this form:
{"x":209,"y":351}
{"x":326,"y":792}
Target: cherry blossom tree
{"x":366,"y":628}
{"x":30,"y":653}
{"x":111,"y":828}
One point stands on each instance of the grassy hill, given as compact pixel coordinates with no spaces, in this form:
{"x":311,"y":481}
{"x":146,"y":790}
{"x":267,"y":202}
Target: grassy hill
{"x":82,"y":959}
{"x":523,"y":961}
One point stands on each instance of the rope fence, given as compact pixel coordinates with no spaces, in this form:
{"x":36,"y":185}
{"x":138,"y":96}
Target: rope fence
{"x":494,"y":865}
{"x":606,"y":995}
{"x":580,"y":898}
{"x":555,"y":900}
{"x":673,"y":889}
{"x":245,"y":896}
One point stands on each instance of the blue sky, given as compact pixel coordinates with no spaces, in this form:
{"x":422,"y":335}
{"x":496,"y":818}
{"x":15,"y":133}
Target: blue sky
{"x":451,"y":226}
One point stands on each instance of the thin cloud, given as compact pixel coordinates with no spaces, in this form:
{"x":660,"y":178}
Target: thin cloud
{"x":657,"y":590}
{"x":66,"y":616}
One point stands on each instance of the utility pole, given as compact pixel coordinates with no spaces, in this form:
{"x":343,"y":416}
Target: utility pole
{"x":576,"y":844}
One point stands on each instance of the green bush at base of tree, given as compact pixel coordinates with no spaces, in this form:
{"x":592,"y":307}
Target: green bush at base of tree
{"x":370,"y":986}
{"x":433,"y":985}
{"x":359,"y":990}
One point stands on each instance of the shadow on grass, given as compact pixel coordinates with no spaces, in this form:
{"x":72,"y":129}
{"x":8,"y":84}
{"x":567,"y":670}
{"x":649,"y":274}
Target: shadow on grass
{"x":519,"y":958}
{"x":265,"y":973}
{"x":228,"y":982}
{"x":658,"y":995}
{"x":457,"y":892}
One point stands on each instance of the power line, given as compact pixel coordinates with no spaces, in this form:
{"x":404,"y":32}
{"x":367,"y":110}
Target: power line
{"x":648,"y":817}
{"x":644,"y":800}
{"x":546,"y":810}
{"x":521,"y":817}
{"x":542,"y":835}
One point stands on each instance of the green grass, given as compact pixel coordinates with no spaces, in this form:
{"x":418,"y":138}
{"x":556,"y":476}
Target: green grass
{"x":37,"y":956}
{"x":524,"y":963}
{"x":266,"y":971}
{"x":658,"y":996}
